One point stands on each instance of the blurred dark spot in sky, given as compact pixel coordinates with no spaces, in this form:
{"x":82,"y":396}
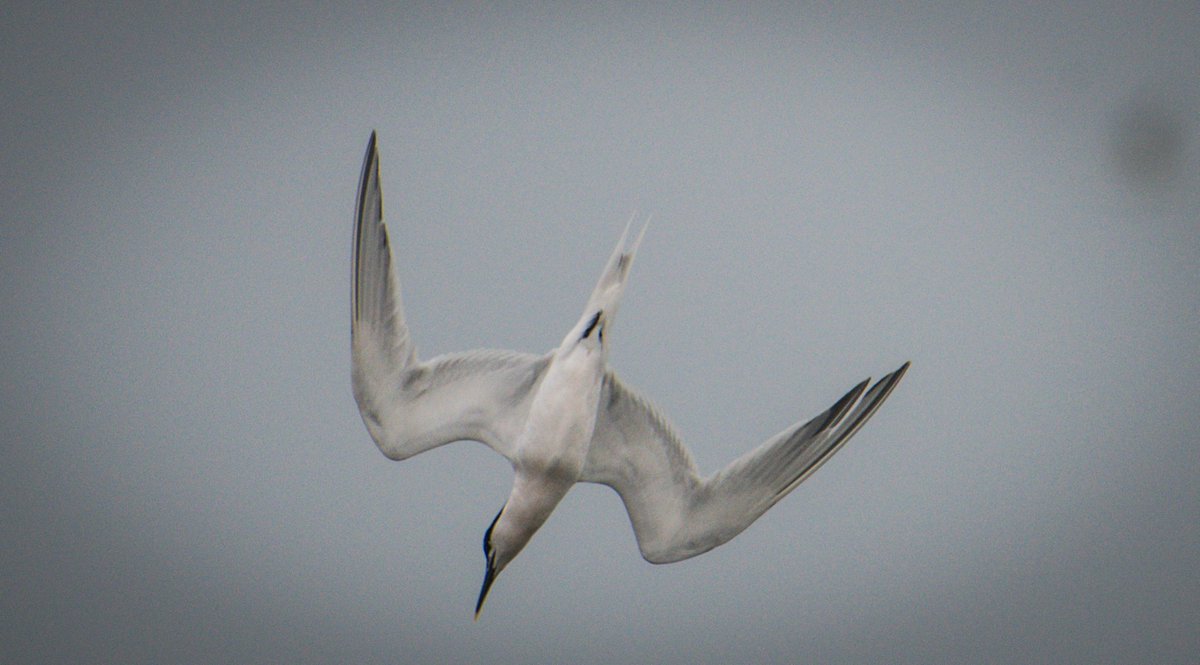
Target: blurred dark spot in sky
{"x":1148,"y":142}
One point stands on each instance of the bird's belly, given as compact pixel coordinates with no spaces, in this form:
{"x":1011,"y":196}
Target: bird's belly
{"x":556,"y":449}
{"x":556,"y":438}
{"x":561,"y":418}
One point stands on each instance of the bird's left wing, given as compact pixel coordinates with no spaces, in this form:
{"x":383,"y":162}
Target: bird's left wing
{"x":677,"y":514}
{"x":411,"y":406}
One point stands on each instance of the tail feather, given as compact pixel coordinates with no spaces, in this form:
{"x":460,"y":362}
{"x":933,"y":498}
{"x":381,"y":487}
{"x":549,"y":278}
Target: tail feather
{"x":607,"y":294}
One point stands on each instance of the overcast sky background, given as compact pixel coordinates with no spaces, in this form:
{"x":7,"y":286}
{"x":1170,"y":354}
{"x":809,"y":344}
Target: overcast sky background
{"x":1005,"y":194}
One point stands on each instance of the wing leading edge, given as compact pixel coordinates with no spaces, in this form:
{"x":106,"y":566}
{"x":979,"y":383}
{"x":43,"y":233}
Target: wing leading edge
{"x":410,"y":406}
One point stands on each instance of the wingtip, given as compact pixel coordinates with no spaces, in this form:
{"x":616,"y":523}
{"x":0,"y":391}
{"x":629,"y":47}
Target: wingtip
{"x":372,"y":147}
{"x":842,"y":406}
{"x":368,"y":180}
{"x":370,"y":167}
{"x":857,"y":391}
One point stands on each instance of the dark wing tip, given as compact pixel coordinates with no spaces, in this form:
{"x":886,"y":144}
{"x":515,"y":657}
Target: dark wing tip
{"x":843,"y":405}
{"x":370,"y":168}
{"x":372,"y":147}
{"x":875,"y":398}
{"x":365,"y":220}
{"x":871,"y":401}
{"x":370,"y":161}
{"x":892,"y":379}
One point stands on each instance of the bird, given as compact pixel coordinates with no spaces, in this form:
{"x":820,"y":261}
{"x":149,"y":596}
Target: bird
{"x":563,"y":417}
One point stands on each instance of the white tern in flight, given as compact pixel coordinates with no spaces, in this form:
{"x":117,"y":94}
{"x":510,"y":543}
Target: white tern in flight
{"x":564,"y":417}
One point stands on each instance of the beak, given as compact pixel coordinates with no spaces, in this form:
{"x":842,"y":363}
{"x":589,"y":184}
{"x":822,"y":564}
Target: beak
{"x":489,"y":576}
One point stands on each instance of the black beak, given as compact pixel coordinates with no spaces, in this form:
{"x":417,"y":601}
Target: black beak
{"x":489,"y":576}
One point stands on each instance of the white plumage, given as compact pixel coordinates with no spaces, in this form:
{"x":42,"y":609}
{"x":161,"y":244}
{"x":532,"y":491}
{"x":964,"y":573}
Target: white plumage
{"x":564,"y":417}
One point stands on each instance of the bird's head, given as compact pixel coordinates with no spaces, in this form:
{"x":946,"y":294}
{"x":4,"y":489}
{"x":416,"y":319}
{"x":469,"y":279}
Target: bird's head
{"x":501,"y":544}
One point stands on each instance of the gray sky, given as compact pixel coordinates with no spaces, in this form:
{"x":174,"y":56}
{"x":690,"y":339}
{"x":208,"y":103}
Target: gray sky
{"x":1006,"y":195}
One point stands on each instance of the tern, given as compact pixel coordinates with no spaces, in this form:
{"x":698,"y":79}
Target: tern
{"x":564,"y":417}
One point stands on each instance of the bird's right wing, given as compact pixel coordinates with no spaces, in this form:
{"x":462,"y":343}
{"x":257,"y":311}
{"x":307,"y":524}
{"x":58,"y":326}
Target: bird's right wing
{"x":675,"y":513}
{"x":411,"y":406}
